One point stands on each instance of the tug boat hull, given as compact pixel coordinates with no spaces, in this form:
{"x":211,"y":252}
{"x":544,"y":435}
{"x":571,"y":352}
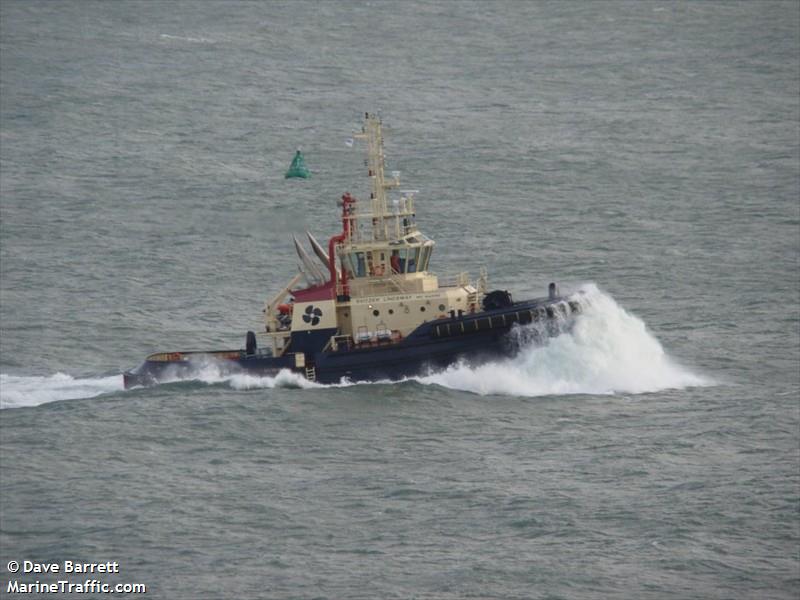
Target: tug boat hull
{"x":476,"y":338}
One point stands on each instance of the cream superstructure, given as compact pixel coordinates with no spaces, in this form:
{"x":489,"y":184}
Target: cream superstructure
{"x":380,"y":287}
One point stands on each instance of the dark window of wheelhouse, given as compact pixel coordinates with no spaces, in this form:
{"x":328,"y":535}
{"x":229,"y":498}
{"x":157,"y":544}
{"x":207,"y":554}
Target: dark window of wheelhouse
{"x":347,"y":265}
{"x":426,"y":257}
{"x":358,"y":263}
{"x":413,"y":259}
{"x":361,"y":265}
{"x":394,"y":261}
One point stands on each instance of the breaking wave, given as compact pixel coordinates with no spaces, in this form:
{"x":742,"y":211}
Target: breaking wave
{"x":213,"y":374}
{"x":607,"y":351}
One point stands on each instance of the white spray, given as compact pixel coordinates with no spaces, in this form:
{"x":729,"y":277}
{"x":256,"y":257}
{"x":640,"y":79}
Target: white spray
{"x":607,"y":351}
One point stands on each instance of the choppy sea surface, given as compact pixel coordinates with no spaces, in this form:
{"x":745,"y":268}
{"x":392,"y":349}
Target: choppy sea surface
{"x":645,"y":153}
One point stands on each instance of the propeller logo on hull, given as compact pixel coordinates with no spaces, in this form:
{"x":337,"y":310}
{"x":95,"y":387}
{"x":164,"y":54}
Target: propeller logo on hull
{"x":312,"y":315}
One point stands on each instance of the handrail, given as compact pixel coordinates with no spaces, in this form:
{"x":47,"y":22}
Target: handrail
{"x":460,"y":280}
{"x":336,"y":340}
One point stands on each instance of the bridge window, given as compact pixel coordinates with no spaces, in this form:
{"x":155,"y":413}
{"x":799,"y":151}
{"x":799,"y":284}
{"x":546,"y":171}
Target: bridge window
{"x":412,"y":261}
{"x":357,"y":264}
{"x":426,"y":257}
{"x":347,"y":265}
{"x":397,"y":265}
{"x":418,"y":266}
{"x":409,"y":260}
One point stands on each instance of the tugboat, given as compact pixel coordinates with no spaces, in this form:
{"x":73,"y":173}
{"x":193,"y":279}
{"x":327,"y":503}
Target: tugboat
{"x":371,"y":309}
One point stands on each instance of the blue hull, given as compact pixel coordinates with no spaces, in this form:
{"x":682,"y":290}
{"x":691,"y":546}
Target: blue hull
{"x":437,"y":344}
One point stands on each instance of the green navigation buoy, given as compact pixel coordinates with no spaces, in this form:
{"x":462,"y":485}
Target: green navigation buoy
{"x":298,"y":167}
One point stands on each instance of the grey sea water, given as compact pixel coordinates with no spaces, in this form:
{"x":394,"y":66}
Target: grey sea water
{"x":647,"y":153}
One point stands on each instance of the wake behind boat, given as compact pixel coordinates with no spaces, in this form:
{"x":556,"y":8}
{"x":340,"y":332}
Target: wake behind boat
{"x":368,"y":308}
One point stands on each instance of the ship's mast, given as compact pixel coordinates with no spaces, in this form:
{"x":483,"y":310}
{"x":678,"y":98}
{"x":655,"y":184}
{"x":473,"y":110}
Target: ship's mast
{"x":384,"y":224}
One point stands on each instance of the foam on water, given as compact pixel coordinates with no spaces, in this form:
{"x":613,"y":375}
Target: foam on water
{"x":17,"y":391}
{"x":247,"y":381}
{"x":608,"y":350}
